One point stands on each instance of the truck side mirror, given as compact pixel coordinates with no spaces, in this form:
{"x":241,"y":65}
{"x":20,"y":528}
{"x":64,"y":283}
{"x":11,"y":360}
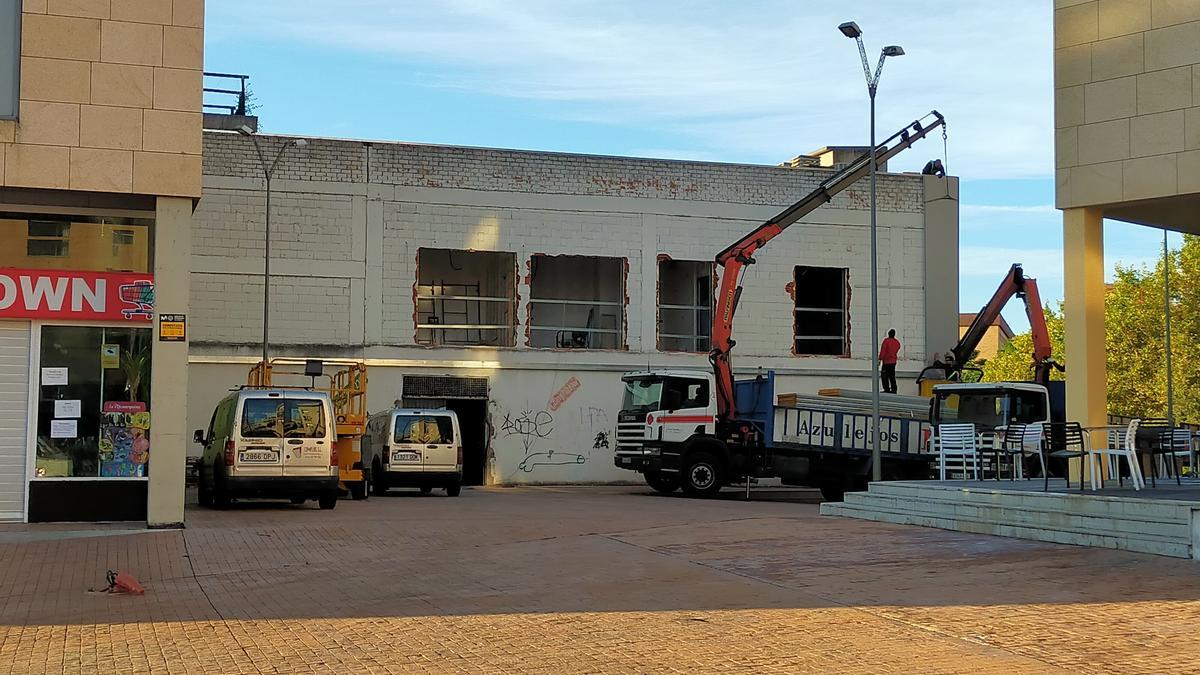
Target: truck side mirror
{"x":198,"y":437}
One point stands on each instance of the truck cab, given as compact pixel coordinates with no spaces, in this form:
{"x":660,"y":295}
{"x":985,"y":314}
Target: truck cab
{"x":990,"y":404}
{"x":660,"y":411}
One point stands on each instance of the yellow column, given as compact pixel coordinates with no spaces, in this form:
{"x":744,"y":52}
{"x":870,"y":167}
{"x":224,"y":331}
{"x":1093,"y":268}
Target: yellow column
{"x":169,"y":364}
{"x":1083,"y":286}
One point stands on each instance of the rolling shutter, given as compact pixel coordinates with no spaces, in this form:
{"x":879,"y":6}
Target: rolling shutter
{"x":14,"y":408}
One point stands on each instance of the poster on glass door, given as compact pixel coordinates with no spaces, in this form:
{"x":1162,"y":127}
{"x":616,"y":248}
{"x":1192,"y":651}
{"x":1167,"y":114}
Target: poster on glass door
{"x":124,"y":439}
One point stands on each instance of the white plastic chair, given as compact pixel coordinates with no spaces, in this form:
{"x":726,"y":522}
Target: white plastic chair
{"x":1126,"y":450}
{"x":956,"y":450}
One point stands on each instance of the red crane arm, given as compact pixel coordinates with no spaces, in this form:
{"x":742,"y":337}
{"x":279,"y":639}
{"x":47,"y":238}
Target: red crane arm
{"x":737,"y":255}
{"x":1015,"y":283}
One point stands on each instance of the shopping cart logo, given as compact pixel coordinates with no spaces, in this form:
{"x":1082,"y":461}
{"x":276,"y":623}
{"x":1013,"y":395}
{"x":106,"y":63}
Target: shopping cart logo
{"x":139,"y":298}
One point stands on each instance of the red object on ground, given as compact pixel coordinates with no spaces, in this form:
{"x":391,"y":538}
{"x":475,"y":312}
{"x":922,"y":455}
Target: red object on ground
{"x":123,"y":582}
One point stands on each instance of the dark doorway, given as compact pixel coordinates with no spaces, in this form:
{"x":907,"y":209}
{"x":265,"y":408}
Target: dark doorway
{"x":467,"y":397}
{"x":472,"y":418}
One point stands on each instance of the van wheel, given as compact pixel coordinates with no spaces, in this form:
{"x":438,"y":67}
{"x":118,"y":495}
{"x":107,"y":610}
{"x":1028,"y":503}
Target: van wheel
{"x":203,"y":491}
{"x":327,"y":502}
{"x":454,"y":489}
{"x":358,"y":490}
{"x":662,"y":482}
{"x":702,"y":475}
{"x":378,"y":479}
{"x":220,"y":489}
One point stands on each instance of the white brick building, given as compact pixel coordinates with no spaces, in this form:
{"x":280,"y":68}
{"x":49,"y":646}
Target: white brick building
{"x":372,"y":240}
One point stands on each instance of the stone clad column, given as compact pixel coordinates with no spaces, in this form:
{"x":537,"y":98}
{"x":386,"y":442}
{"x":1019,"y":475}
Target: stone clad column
{"x":169,"y":437}
{"x":1083,"y":267}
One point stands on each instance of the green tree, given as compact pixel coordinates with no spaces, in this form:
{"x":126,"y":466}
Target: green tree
{"x":1135,"y":343}
{"x":1014,"y":362}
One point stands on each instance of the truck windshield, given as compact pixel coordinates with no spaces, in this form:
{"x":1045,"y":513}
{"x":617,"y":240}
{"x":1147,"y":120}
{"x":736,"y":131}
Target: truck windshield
{"x":991,"y":408}
{"x":642,"y":395}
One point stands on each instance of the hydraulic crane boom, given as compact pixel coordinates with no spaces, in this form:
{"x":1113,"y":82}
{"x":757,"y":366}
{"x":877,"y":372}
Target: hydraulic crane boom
{"x":734,"y":258}
{"x":1015,"y":283}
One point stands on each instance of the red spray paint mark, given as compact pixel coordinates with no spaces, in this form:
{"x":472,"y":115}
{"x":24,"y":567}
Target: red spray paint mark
{"x":564,"y":392}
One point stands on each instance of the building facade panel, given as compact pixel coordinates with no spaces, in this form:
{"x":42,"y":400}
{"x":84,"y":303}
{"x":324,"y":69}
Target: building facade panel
{"x":377,"y":225}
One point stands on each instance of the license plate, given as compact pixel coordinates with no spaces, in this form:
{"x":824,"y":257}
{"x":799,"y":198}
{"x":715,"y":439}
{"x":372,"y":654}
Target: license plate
{"x":627,"y":460}
{"x":406,"y":457}
{"x":257,"y":456}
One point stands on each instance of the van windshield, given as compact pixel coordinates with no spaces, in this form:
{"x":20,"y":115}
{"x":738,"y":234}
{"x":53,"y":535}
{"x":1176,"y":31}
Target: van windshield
{"x":424,"y":429}
{"x":283,"y":418}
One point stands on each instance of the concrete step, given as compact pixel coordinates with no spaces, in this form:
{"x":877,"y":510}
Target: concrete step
{"x":1014,"y":511}
{"x":1132,"y":508}
{"x":1158,"y":545}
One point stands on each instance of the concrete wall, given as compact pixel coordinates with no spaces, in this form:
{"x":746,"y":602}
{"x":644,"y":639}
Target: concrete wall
{"x":109,"y":98}
{"x":356,"y":214}
{"x":1127,"y":100}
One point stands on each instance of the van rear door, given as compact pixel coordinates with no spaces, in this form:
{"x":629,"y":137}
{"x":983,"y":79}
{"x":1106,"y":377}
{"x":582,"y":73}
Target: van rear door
{"x":441,"y":443}
{"x":307,"y":434}
{"x":258,"y":444}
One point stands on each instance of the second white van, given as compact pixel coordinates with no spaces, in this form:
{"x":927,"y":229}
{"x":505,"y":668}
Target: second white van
{"x":414,"y":447}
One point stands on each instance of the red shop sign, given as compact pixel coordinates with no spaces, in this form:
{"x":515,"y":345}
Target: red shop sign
{"x":91,"y":296}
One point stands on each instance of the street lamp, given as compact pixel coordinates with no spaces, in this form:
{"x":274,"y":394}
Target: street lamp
{"x":268,"y":171}
{"x":851,"y":30}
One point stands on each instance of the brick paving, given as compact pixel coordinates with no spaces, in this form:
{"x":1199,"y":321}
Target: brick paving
{"x":582,"y":580}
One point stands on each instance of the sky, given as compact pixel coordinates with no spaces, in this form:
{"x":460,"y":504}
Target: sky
{"x":757,"y":81}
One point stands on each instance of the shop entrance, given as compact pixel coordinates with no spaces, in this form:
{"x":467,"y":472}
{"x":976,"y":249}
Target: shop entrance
{"x":467,"y":397}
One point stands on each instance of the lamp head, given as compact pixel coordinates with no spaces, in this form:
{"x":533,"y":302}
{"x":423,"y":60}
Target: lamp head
{"x":850,"y":30}
{"x":245,"y":130}
{"x":893,"y":50}
{"x":300,"y":143}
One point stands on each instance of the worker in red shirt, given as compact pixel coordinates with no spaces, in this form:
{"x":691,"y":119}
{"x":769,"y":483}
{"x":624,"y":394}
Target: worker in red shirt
{"x":888,"y":351}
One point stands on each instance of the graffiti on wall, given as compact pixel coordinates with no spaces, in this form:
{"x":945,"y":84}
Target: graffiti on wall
{"x":534,"y":430}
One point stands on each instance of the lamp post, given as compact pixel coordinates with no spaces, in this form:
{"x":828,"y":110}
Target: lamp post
{"x":268,"y":171}
{"x":851,"y":30}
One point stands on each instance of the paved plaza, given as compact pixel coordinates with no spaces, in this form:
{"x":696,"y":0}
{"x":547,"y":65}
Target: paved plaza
{"x":613,"y":579}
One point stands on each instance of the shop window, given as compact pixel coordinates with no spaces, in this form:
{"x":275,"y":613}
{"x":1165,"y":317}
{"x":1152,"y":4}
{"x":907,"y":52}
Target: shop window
{"x":121,"y":240}
{"x":685,"y":296}
{"x":48,"y":239}
{"x":93,"y":415}
{"x":578,"y":302}
{"x":821,"y":325}
{"x":79,"y":243}
{"x":466,"y":297}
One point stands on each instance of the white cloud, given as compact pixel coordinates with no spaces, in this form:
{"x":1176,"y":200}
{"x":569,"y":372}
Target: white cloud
{"x":758,"y":81}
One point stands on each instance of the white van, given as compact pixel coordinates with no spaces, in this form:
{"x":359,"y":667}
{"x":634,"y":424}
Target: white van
{"x":410,"y":447}
{"x":273,"y":443}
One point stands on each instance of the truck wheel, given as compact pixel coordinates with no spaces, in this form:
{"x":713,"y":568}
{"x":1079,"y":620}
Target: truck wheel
{"x":702,"y":475}
{"x":358,"y":490}
{"x":327,"y":501}
{"x":662,"y":482}
{"x":454,"y":489}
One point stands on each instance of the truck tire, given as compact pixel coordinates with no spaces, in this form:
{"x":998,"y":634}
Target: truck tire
{"x":703,"y":474}
{"x":833,"y":490}
{"x":327,"y":501}
{"x":663,"y":483}
{"x":454,"y":489}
